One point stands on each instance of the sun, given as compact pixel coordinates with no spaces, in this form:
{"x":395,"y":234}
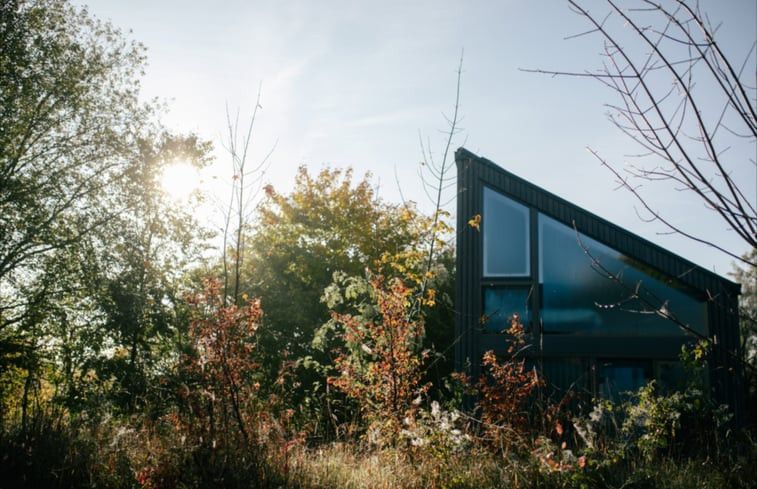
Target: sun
{"x":178,"y":180}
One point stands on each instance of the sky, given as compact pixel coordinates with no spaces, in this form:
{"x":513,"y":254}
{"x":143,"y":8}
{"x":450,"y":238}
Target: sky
{"x":360,"y":84}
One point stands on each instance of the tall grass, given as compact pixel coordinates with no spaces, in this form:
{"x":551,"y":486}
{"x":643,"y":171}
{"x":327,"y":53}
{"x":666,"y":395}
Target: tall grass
{"x":436,"y":452}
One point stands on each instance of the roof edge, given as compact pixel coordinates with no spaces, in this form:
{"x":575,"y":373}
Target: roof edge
{"x":463,"y":154}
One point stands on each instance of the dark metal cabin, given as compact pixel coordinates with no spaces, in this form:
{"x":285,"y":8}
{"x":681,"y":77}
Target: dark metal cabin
{"x":592,"y":296}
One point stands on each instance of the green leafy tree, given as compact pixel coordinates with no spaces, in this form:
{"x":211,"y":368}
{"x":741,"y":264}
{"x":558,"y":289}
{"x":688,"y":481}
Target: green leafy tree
{"x":327,"y":224}
{"x":327,"y":229}
{"x":89,"y":249}
{"x":112,"y":319}
{"x":143,"y":254}
{"x":69,"y":112}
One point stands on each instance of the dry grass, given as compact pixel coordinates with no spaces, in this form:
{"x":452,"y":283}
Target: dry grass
{"x":117,"y":455}
{"x":346,"y":466}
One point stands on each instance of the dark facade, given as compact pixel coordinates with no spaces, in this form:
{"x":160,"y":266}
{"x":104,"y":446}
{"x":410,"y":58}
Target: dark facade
{"x":605,"y":310}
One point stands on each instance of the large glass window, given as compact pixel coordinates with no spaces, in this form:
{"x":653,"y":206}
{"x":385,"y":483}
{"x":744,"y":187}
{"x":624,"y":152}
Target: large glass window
{"x":500,"y":304}
{"x":589,"y":288}
{"x":506,"y":236}
{"x":617,"y":378}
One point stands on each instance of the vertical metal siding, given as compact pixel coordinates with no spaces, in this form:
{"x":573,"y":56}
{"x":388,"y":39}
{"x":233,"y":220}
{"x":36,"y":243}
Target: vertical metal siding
{"x":474,"y":172}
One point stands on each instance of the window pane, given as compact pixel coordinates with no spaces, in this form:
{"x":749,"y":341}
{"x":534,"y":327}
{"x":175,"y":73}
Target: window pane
{"x":501,"y":303}
{"x":578,"y":299}
{"x":617,"y":378}
{"x":506,"y":229}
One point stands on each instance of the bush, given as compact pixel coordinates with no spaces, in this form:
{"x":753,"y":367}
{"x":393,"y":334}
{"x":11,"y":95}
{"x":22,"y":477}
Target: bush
{"x":380,"y":365}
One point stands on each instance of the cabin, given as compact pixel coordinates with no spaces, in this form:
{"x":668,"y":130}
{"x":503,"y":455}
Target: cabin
{"x":605,"y":310}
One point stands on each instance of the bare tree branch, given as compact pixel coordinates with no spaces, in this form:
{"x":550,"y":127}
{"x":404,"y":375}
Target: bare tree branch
{"x":239,"y":198}
{"x":666,"y":87}
{"x":441,"y":180}
{"x":649,"y":302}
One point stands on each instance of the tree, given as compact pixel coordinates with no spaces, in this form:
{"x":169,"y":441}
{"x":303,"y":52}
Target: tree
{"x":374,"y":354}
{"x":68,"y":96}
{"x":687,"y":104}
{"x":689,"y":107}
{"x":69,"y":111}
{"x":435,"y":178}
{"x":142,"y":255}
{"x":327,"y":228}
{"x":382,"y":365}
{"x":89,"y":249}
{"x":221,"y":366}
{"x":245,"y":185}
{"x":505,"y":389}
{"x":325,"y":225}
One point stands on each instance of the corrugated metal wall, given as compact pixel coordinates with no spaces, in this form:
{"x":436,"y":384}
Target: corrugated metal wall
{"x":722,"y":295}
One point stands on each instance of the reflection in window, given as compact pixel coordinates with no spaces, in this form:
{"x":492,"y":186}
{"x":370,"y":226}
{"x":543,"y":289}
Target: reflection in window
{"x":618,"y":378}
{"x":577,"y":299}
{"x":501,"y":303}
{"x":506,"y":229}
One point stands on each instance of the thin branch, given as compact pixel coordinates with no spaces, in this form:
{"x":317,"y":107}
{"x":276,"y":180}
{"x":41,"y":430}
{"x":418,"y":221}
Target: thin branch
{"x":658,"y":307}
{"x":440,"y":174}
{"x":644,"y":117}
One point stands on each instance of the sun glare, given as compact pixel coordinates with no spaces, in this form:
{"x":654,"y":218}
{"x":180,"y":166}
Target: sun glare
{"x":179,"y":180}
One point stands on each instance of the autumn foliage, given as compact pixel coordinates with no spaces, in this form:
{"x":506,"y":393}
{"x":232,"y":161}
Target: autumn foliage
{"x":221,"y":391}
{"x":382,"y":366}
{"x":505,"y":389}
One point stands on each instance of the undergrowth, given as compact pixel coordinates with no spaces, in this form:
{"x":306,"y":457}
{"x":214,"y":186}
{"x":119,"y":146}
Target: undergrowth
{"x":223,"y":429}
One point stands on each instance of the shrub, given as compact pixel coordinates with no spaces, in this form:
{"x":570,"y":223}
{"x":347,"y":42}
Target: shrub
{"x":504,"y":391}
{"x":380,"y":364}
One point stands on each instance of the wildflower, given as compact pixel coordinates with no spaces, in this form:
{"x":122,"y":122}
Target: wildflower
{"x":435,"y":409}
{"x":596,"y":414}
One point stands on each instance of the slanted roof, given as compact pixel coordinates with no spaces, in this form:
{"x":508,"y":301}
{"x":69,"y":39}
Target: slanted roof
{"x":474,"y":173}
{"x":471,"y":166}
